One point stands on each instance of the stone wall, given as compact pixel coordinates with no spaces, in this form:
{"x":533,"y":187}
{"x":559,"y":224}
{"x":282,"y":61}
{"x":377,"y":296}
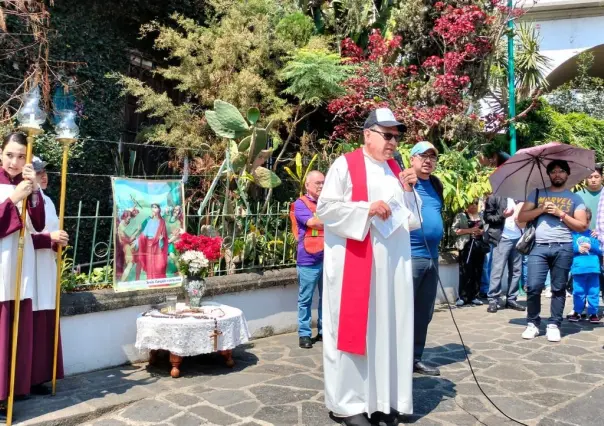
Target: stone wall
{"x":98,"y":328}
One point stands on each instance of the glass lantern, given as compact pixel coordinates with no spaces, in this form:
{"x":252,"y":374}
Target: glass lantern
{"x":67,"y":127}
{"x":31,"y":115}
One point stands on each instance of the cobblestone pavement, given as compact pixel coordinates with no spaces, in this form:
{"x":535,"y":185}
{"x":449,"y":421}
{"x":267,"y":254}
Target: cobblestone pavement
{"x":277,"y":383}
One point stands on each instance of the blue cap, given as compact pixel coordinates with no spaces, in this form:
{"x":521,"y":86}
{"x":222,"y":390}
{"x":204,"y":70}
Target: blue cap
{"x":421,"y":147}
{"x":38,"y":164}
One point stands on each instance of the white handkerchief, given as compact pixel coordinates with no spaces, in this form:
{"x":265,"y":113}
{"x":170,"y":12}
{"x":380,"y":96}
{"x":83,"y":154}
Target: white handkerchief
{"x":395,"y":221}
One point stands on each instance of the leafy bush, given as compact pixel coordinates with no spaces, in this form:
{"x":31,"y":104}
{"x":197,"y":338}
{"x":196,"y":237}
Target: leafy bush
{"x":545,"y":124}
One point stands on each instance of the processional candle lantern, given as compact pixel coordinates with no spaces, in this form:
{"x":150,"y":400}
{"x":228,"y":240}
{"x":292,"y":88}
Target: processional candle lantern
{"x":67,"y":129}
{"x":67,"y":132}
{"x":30,"y":118}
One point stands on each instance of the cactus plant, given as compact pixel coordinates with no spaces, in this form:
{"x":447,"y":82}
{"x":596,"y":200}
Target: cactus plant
{"x":249,"y":155}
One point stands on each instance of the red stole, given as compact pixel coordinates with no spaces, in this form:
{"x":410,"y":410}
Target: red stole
{"x":358,"y":264}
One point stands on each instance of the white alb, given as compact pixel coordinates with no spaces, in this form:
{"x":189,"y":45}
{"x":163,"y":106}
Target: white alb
{"x":382,"y":379}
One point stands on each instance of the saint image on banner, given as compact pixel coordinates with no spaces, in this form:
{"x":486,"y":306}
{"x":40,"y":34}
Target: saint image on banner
{"x":148,"y":219}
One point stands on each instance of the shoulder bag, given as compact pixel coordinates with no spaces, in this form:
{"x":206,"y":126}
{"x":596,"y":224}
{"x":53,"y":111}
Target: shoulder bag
{"x":527,"y":239}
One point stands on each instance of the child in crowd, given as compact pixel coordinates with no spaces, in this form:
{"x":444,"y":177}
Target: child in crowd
{"x":586,"y":274}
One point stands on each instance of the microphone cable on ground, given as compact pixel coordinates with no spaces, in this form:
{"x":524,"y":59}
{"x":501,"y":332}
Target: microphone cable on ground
{"x":421,"y":222}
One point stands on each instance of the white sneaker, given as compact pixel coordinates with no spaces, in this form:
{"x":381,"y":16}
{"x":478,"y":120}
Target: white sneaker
{"x":548,"y":292}
{"x":531,"y":331}
{"x":459,"y":302}
{"x":553,"y":333}
{"x":477,"y":302}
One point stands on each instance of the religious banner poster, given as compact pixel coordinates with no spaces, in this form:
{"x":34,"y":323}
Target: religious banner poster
{"x":149,"y":216}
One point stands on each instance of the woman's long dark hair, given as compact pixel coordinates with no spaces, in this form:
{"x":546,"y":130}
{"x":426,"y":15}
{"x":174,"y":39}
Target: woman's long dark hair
{"x":16,"y":137}
{"x":159,"y":207}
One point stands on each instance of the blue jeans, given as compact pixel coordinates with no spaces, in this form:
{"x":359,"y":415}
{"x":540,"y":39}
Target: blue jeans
{"x":309,"y":278}
{"x":425,"y":285}
{"x":586,"y":286}
{"x":524,"y":280}
{"x":555,"y":258}
{"x":486,"y":272}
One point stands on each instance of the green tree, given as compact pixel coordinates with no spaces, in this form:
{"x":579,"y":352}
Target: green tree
{"x":583,"y":94}
{"x":530,"y":66}
{"x":255,"y":54}
{"x":313,"y":77}
{"x":545,"y":124}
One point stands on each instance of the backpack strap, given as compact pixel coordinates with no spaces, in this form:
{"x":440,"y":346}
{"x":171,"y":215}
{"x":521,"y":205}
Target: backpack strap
{"x":438,"y":187}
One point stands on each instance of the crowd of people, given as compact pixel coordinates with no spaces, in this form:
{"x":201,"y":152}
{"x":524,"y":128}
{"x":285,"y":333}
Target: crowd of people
{"x":565,"y":261}
{"x":375,"y":230}
{"x":368,"y":234}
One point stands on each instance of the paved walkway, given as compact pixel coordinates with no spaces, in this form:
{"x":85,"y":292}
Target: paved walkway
{"x":277,"y":383}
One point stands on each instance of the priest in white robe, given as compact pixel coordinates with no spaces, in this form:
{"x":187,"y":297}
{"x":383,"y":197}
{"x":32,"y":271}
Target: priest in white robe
{"x":368,"y":208}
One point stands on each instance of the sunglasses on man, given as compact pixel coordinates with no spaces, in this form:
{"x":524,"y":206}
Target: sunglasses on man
{"x":389,"y":136}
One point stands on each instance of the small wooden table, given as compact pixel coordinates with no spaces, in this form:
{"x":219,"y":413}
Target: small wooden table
{"x":215,"y":328}
{"x":176,"y":360}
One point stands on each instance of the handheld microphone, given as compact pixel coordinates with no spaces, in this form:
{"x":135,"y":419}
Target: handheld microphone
{"x":399,"y":159}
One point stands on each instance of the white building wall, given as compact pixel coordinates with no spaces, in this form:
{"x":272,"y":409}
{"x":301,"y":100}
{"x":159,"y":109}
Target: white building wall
{"x":561,"y":39}
{"x":567,"y":27}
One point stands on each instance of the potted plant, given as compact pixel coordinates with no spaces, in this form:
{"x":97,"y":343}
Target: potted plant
{"x":196,"y":256}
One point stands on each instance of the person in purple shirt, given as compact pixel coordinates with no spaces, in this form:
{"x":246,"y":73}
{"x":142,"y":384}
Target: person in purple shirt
{"x":310,"y":257}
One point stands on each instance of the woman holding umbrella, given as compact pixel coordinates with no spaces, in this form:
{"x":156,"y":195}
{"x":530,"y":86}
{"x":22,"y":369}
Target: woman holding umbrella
{"x":468,"y":227}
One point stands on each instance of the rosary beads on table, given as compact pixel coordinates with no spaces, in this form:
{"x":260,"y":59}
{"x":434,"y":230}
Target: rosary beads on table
{"x":155,"y":313}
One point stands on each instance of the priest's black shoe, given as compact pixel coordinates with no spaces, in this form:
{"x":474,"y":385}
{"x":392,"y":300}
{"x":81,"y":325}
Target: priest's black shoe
{"x":357,"y":420}
{"x":379,"y":417}
{"x":305,"y":342}
{"x":317,"y":338}
{"x":512,"y":304}
{"x":40,"y":390}
{"x":421,"y":368}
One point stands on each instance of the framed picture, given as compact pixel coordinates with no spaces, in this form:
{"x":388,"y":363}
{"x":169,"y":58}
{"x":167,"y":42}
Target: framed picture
{"x":148,"y":217}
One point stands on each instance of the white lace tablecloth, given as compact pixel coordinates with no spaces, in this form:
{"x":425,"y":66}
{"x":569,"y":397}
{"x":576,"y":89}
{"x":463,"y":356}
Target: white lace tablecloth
{"x":192,"y":336}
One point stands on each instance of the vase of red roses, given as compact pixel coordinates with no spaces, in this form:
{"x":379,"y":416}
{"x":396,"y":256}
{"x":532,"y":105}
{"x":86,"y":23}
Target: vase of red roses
{"x":196,"y":257}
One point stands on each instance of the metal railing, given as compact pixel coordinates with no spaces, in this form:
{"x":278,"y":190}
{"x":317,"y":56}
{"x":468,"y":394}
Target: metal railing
{"x":252,"y":240}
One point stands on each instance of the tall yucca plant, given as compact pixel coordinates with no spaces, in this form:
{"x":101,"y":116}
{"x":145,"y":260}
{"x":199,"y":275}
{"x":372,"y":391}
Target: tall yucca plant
{"x":531,"y":63}
{"x":530,"y":68}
